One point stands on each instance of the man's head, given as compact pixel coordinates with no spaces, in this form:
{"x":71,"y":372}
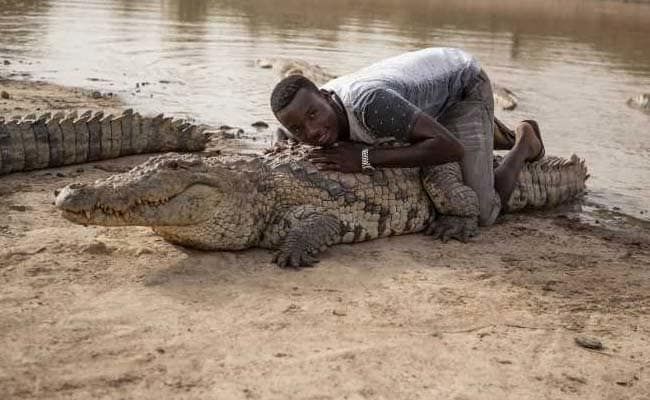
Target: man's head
{"x":305,"y":111}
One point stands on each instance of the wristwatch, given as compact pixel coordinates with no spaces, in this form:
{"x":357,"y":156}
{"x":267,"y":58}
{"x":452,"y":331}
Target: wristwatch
{"x":366,"y":168}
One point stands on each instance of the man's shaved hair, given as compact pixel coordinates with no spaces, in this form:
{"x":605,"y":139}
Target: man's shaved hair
{"x":286,"y":90}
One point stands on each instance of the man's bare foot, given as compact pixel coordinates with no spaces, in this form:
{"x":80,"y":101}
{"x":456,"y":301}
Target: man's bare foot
{"x":528,"y":148}
{"x":526,"y":137}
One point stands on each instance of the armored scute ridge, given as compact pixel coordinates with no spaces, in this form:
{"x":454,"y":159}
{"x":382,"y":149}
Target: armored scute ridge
{"x":53,"y":140}
{"x":548,"y":182}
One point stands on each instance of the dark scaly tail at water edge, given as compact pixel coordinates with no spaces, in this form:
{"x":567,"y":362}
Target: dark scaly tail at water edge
{"x":548,"y":182}
{"x":54,"y":140}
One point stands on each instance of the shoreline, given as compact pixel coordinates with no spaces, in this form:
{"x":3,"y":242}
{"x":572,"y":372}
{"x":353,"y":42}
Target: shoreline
{"x":118,"y":312}
{"x":27,"y":96}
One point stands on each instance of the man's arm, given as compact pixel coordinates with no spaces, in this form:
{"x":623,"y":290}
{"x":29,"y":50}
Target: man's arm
{"x":387,"y":114}
{"x":431,"y":144}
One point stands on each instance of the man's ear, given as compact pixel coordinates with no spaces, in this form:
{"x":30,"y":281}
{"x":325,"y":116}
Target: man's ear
{"x":325,"y":93}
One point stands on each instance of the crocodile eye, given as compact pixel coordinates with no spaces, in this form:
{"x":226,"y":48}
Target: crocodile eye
{"x":173,"y":165}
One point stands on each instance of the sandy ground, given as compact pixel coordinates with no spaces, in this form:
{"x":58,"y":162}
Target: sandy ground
{"x":117,"y":313}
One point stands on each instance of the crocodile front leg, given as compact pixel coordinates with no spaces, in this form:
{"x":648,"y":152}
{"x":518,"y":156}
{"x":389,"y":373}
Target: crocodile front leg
{"x":456,"y":202}
{"x":308,"y":231}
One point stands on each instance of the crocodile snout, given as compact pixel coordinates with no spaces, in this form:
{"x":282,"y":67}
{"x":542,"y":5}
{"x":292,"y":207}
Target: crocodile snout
{"x":75,"y":197}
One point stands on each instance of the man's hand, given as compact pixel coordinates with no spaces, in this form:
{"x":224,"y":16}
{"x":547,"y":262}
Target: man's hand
{"x":341,"y":156}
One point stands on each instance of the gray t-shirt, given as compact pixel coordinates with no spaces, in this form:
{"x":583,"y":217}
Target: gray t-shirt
{"x":383,"y":100}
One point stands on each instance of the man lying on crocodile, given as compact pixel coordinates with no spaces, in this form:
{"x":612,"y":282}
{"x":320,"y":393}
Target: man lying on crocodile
{"x":281,"y":201}
{"x":438,"y":100}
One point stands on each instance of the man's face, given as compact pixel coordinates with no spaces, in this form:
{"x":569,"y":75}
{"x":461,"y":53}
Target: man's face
{"x":310,"y":118}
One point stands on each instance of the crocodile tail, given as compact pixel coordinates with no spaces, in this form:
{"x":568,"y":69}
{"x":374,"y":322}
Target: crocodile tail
{"x":549,"y":182}
{"x":34,"y":142}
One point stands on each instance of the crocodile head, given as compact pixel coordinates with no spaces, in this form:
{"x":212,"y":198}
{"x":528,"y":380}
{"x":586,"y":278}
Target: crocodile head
{"x":641,"y":102}
{"x":165,"y":191}
{"x":188,"y":200}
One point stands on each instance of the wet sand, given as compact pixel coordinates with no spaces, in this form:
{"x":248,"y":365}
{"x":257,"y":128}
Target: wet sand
{"x":95,"y":312}
{"x":22,"y":97}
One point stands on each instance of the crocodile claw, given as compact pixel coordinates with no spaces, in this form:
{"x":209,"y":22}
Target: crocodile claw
{"x":294,"y":259}
{"x":311,"y":233}
{"x":453,"y":227}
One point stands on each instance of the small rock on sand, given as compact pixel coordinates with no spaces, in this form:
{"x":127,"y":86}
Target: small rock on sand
{"x":97,"y":248}
{"x":96,"y":94}
{"x":4,"y":94}
{"x":7,"y":62}
{"x":589,"y":342}
{"x":138,"y":251}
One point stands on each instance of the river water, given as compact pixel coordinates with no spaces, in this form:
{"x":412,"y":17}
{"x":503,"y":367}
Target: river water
{"x":572,"y":63}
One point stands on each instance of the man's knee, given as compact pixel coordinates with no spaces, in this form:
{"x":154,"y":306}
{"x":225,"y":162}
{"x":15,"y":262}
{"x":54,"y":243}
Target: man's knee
{"x":489,"y":211}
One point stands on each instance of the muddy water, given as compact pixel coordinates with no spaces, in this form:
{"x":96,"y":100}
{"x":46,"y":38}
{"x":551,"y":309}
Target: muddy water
{"x":572,"y":63}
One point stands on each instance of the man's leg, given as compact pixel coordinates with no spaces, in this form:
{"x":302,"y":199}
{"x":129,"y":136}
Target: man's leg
{"x":527,"y":147}
{"x":504,"y":137}
{"x":472,"y":122}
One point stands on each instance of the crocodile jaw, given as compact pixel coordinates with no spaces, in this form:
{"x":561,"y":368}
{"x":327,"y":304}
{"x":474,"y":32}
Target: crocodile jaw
{"x":191,"y":206}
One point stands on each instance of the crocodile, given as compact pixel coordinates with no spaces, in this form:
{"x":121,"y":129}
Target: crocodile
{"x":53,"y":140}
{"x":281,"y":201}
{"x":640,"y":102}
